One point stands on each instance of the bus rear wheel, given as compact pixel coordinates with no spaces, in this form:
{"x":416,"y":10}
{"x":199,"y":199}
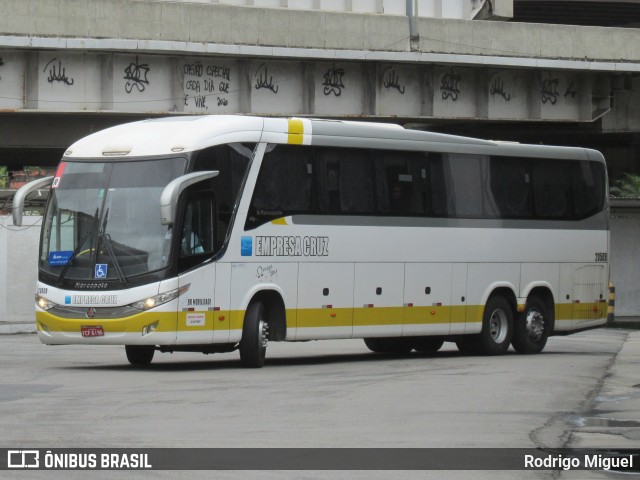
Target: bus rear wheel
{"x":139,"y":355}
{"x":497,"y":327}
{"x":532,"y":329}
{"x":255,"y":336}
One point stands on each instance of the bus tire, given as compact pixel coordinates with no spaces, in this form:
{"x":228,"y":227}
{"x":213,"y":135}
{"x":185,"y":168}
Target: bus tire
{"x":497,"y":327}
{"x":255,"y":336}
{"x":139,"y":355}
{"x":467,"y":345}
{"x":374,"y":345}
{"x":531,"y":331}
{"x":394,"y":345}
{"x":427,"y":344}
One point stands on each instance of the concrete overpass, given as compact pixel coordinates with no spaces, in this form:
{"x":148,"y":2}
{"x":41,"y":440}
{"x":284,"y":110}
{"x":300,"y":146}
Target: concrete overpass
{"x":71,"y":67}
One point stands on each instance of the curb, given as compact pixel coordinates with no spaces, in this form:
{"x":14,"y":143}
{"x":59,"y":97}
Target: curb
{"x":15,"y":328}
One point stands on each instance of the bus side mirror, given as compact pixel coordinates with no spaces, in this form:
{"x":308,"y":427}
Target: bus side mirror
{"x":170,"y":194}
{"x":17,"y":208}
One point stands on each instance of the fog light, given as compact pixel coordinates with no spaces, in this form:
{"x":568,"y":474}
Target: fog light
{"x":149,"y":328}
{"x":45,"y":329}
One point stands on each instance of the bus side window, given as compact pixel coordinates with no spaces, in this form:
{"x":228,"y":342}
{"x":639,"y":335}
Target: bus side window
{"x":510,"y":186}
{"x":552,"y":189}
{"x":232,"y":162}
{"x":198,"y":226}
{"x":345,"y":181}
{"x":284,"y":186}
{"x":441,"y":198}
{"x":588,"y":191}
{"x":401,"y":183}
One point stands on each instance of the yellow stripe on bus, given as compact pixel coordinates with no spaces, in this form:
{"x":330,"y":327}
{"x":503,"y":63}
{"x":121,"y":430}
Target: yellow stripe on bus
{"x":296,"y":131}
{"x":306,"y":318}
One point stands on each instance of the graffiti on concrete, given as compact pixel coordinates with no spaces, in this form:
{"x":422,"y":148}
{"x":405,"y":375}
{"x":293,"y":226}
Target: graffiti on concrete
{"x":497,"y":88}
{"x":392,"y":80}
{"x":136,"y":76}
{"x":571,"y":92}
{"x":204,"y":81}
{"x":264,"y":80}
{"x":333,"y":81}
{"x":450,"y":85}
{"x":550,"y":92}
{"x":57,"y":73}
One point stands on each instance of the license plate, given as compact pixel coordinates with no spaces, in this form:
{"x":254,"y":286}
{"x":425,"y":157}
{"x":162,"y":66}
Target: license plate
{"x":96,"y":331}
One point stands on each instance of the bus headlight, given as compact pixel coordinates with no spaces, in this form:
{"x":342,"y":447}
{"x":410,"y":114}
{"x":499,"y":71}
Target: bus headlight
{"x":43,"y":303}
{"x":157,"y":300}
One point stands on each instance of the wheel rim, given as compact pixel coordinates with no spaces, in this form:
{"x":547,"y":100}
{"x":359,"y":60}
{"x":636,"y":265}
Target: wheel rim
{"x":498,"y":325}
{"x":263,"y":332}
{"x":535,"y":324}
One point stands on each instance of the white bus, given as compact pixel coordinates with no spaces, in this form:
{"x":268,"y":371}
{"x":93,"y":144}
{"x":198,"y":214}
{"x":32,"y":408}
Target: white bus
{"x":217,"y":233}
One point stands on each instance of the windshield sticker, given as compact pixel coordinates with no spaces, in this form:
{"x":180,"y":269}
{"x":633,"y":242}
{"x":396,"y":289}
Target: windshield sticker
{"x":101,"y":270}
{"x":60,"y":258}
{"x":59,"y":172}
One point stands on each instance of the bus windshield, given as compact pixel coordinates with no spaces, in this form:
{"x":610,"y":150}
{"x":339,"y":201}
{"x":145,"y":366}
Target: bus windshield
{"x":103,"y":220}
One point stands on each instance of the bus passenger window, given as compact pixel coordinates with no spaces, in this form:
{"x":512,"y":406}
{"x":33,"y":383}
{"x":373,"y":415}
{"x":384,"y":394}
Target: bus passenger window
{"x":588,"y":188}
{"x":345,"y":181}
{"x":552,"y":189}
{"x":401,"y":183}
{"x":284,"y":186}
{"x":510,"y":186}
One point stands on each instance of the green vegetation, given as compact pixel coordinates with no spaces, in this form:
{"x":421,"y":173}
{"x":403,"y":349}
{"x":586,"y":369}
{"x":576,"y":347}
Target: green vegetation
{"x":629,"y":186}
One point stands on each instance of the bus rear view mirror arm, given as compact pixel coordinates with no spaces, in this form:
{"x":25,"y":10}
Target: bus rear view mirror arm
{"x":170,"y":194}
{"x":17,"y":208}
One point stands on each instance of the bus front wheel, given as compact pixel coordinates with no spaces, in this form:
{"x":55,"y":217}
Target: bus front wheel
{"x":255,"y":335}
{"x":532,"y":329}
{"x":139,"y":355}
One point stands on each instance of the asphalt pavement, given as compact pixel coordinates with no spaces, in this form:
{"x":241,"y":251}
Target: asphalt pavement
{"x":611,"y":422}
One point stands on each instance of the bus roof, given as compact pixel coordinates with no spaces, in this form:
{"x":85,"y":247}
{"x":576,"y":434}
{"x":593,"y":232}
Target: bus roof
{"x":173,"y":135}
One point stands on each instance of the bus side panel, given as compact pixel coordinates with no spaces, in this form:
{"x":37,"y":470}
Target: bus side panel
{"x":459,"y":272}
{"x":377,"y":299}
{"x":589,"y":297}
{"x":196,"y":307}
{"x":325,"y":301}
{"x":584,"y":288}
{"x":540,"y":275}
{"x":427,"y":299}
{"x":564,"y":306}
{"x":222,"y":298}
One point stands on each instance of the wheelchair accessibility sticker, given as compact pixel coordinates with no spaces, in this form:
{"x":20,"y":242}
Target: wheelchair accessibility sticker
{"x":101,"y":270}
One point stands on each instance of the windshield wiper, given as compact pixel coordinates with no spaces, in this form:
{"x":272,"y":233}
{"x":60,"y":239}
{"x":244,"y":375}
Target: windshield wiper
{"x":106,"y":239}
{"x":77,"y":250}
{"x":72,"y":257}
